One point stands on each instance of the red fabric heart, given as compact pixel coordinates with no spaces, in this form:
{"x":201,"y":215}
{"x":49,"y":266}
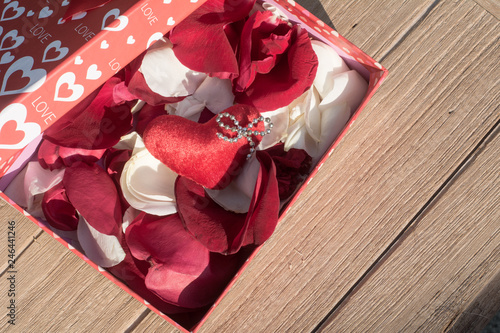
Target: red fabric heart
{"x":195,"y":151}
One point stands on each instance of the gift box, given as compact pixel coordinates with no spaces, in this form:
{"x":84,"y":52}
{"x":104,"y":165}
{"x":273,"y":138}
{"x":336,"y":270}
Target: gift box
{"x":65,"y":51}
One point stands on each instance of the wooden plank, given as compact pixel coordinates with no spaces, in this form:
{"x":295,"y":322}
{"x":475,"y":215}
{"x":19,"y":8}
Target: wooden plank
{"x":153,"y":323}
{"x":348,"y":11}
{"x":433,"y":275}
{"x":24,"y":231}
{"x":373,"y":26}
{"x":437,"y":104}
{"x":56,"y":291}
{"x":492,"y":6}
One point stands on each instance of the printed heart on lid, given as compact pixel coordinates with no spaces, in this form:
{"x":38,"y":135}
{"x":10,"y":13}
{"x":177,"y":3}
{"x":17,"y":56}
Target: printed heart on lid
{"x":199,"y":151}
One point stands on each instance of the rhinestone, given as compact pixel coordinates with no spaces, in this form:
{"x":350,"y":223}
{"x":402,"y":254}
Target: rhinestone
{"x":268,"y":120}
{"x":271,"y":125}
{"x":221,"y":124}
{"x":249,"y":156}
{"x":252,"y":150}
{"x":268,"y":131}
{"x":255,"y":121}
{"x":232,"y":117}
{"x":226,"y":114}
{"x":256,"y":132}
{"x":252,"y":143}
{"x":226,"y":127}
{"x":219,"y":135}
{"x":236,"y":122}
{"x":262,"y":133}
{"x":226,"y":139}
{"x":261,"y":118}
{"x":250,"y":125}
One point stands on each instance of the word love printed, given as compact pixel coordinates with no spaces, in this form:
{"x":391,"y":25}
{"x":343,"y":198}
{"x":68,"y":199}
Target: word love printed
{"x":42,"y":108}
{"x":148,"y":12}
{"x":40,"y":32}
{"x":84,"y":31}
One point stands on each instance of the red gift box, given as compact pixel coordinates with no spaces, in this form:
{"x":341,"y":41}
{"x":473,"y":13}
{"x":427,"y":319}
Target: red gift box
{"x":48,"y":65}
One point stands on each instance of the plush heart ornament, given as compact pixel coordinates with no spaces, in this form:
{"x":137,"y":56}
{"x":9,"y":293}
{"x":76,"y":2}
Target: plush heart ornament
{"x":210,"y":154}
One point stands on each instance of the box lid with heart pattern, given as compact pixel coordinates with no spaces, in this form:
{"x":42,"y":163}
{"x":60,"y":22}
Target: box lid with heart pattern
{"x":48,"y":64}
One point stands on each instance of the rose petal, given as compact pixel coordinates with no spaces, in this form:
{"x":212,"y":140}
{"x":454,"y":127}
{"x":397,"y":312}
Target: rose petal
{"x":133,"y":272}
{"x":189,"y":108}
{"x":165,"y":75}
{"x":104,"y":250}
{"x":147,"y":114}
{"x":51,"y":156}
{"x":291,"y":168}
{"x":223,"y":231}
{"x":236,"y":197}
{"x":94,"y":195}
{"x":312,"y":114}
{"x":95,"y":123}
{"x":279,"y":119}
{"x":329,"y":65}
{"x":215,"y":93}
{"x":27,"y":188}
{"x":148,"y":184}
{"x":333,"y":121}
{"x":183,"y":271}
{"x":289,"y":78}
{"x":348,"y":87}
{"x":202,"y":36}
{"x":58,"y":210}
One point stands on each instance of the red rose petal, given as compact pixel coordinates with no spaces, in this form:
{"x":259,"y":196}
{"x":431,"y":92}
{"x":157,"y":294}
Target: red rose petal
{"x":223,"y":231}
{"x":183,"y":271}
{"x":139,"y":88}
{"x":263,"y":42}
{"x":52,"y":157}
{"x":94,"y":195}
{"x":147,"y":114}
{"x":201,"y":36}
{"x":57,"y":209}
{"x":95,"y":123}
{"x":133,"y":272}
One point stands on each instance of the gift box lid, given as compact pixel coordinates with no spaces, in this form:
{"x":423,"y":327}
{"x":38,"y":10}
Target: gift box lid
{"x":50,"y":62}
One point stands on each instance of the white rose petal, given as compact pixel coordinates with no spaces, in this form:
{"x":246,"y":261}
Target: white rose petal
{"x":236,"y":197}
{"x":165,"y":75}
{"x":148,"y":184}
{"x":312,"y":114}
{"x":29,"y":186}
{"x":215,"y":93}
{"x":189,"y":108}
{"x":333,"y":121}
{"x":329,"y":64}
{"x":348,"y":87}
{"x":279,"y":119}
{"x":104,"y":250}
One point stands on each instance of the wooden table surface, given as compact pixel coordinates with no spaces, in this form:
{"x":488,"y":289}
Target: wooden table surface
{"x":400,"y":229}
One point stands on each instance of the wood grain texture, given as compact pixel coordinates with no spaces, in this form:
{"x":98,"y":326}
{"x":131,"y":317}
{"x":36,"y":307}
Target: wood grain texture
{"x":25,"y":231}
{"x":437,"y":269}
{"x":56,"y":291}
{"x":439,"y":101}
{"x":492,"y":6}
{"x":373,"y":26}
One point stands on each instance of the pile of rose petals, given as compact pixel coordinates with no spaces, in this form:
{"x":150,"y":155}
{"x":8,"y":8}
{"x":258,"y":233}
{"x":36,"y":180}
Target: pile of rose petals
{"x":177,"y":167}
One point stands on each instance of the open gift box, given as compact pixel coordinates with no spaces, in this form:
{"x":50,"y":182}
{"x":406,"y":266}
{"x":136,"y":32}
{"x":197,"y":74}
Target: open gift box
{"x":56,"y":54}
